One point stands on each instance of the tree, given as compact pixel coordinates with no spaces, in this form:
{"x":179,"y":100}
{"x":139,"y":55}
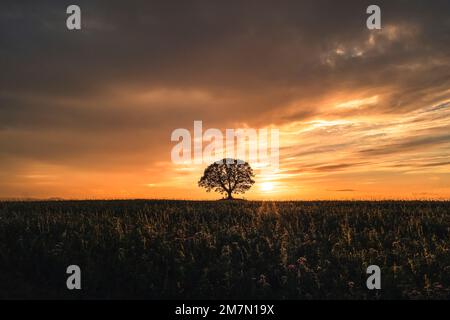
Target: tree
{"x":228,"y":176}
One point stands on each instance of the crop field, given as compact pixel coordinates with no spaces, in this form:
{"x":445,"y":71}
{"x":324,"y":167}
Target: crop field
{"x":157,"y":249}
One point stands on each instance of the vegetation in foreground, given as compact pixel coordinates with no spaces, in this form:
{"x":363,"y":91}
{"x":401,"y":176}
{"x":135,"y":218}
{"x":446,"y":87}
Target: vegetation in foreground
{"x":188,"y":249}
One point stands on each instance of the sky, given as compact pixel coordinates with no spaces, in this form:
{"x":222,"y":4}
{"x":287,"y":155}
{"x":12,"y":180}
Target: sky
{"x":361,"y":114}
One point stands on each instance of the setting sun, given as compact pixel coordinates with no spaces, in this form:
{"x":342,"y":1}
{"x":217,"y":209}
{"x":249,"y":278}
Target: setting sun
{"x":266,"y":186}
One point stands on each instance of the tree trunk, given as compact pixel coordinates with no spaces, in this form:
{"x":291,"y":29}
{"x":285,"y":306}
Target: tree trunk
{"x":230,"y":197}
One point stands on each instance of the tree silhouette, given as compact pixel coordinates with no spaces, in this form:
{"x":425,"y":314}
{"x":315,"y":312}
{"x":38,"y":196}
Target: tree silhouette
{"x":228,"y":176}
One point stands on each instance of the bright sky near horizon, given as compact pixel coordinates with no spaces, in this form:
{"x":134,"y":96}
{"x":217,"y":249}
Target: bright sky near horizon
{"x":362,"y":114}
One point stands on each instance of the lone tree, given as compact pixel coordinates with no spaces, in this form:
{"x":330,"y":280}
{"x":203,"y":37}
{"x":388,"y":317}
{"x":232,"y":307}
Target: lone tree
{"x":227,"y":176}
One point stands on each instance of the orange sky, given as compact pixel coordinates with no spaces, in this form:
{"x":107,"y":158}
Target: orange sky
{"x":361,"y":114}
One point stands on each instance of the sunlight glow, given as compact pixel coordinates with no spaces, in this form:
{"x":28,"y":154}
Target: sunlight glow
{"x":266,"y":186}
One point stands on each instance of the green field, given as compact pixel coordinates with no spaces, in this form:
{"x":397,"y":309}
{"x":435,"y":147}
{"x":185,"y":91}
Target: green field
{"x":219,"y":249}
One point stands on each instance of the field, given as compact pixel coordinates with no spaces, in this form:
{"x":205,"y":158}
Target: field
{"x":218,"y":249}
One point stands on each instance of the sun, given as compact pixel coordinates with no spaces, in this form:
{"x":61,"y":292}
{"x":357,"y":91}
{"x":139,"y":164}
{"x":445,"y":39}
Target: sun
{"x":266,"y":186}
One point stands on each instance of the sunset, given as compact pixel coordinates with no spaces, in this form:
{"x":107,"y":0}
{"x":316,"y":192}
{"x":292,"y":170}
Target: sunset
{"x":362,"y":114}
{"x":225,"y":150}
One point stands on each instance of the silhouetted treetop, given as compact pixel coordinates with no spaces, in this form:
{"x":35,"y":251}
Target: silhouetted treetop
{"x":227,"y":176}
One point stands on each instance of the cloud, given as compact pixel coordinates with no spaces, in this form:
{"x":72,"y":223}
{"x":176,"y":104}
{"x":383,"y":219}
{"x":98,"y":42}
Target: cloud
{"x":408,"y":145}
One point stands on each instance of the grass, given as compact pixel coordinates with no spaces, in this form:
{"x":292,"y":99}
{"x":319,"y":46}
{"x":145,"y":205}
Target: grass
{"x":217,"y":249}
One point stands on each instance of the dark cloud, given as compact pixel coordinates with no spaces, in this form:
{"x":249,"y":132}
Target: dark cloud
{"x":227,"y":46}
{"x":409,"y":144}
{"x":437,"y":164}
{"x":336,"y":167}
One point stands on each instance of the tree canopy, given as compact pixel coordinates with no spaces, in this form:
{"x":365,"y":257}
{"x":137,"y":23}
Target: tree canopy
{"x":228,"y":176}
